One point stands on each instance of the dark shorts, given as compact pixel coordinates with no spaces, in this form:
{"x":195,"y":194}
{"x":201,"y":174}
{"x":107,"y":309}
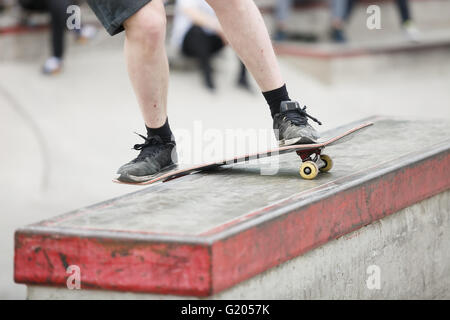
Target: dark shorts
{"x":113,"y":13}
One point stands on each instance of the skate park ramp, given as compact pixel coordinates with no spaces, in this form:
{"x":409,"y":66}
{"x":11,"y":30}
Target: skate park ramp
{"x":234,"y":233}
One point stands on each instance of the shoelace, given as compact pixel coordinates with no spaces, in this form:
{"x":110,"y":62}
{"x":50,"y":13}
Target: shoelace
{"x":298,"y":116}
{"x":149,"y":141}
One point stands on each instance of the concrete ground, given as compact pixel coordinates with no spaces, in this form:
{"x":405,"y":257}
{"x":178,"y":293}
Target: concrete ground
{"x":63,"y":137}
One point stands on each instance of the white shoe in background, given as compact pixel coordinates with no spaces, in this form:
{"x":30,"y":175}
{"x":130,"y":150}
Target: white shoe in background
{"x":52,"y":65}
{"x":87,"y":32}
{"x":411,"y":32}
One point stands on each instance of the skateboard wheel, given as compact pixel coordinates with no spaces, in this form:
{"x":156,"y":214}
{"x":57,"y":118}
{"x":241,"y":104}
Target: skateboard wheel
{"x":328,"y":163}
{"x":309,"y":170}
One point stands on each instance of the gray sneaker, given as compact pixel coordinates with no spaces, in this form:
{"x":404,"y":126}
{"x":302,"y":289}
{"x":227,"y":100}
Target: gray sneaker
{"x":291,"y":125}
{"x":155,"y":157}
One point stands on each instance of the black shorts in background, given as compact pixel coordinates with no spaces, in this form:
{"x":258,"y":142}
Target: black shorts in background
{"x":113,"y":13}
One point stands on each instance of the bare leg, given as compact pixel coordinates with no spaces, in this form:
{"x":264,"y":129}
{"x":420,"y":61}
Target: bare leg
{"x":147,"y":63}
{"x":245,"y":30}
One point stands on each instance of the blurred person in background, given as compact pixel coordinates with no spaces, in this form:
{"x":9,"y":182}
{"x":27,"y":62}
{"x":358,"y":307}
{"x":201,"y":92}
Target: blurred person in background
{"x":282,"y":12}
{"x":338,"y":9}
{"x":144,"y":22}
{"x":197,"y":33}
{"x":6,"y":4}
{"x":58,"y":14}
{"x":410,"y":30}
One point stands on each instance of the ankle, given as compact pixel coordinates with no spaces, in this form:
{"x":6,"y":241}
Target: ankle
{"x":275,"y":97}
{"x":164,"y":132}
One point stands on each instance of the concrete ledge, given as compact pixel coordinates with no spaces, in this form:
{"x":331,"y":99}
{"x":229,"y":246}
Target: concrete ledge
{"x":205,"y":233}
{"x":330,"y":51}
{"x":335,"y":64}
{"x":411,"y":248}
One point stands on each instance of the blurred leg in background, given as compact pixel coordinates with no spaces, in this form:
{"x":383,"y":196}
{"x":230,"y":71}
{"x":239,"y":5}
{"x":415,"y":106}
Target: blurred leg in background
{"x":58,"y":17}
{"x":283,"y":8}
{"x":410,"y":30}
{"x":202,"y":46}
{"x":338,"y":9}
{"x":246,"y":32}
{"x":58,"y":14}
{"x":197,"y":33}
{"x":57,"y":10}
{"x":2,"y":6}
{"x":242,"y":80}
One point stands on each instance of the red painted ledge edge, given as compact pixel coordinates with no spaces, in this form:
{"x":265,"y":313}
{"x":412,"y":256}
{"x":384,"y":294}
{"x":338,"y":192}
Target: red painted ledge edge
{"x":112,"y":264}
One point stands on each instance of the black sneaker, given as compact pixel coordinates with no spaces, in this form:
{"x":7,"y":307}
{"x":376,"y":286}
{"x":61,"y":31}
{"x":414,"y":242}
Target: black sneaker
{"x":156,"y":157}
{"x":291,"y":125}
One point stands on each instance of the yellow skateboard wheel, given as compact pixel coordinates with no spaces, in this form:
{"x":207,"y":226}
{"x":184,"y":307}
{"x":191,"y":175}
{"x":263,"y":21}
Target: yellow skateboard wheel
{"x":328,"y":163}
{"x":309,"y":170}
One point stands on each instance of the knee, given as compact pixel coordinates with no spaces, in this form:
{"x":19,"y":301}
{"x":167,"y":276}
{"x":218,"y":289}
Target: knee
{"x":147,"y":26}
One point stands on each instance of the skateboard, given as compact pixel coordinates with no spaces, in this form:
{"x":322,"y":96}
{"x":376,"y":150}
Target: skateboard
{"x":313,"y":160}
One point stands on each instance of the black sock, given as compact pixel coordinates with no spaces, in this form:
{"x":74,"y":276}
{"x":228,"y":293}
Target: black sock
{"x":164,"y":132}
{"x":275,"y":97}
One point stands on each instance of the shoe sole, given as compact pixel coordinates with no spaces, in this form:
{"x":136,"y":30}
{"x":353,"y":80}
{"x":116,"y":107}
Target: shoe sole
{"x":138,"y":179}
{"x":289,"y":142}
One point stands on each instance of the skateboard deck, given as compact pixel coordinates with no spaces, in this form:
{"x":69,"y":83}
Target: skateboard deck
{"x":313,"y":160}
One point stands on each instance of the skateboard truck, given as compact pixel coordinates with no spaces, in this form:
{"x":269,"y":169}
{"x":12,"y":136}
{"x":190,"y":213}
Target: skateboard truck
{"x":313,"y":161}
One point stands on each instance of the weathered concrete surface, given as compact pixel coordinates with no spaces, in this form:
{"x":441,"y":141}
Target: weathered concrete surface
{"x":411,"y":248}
